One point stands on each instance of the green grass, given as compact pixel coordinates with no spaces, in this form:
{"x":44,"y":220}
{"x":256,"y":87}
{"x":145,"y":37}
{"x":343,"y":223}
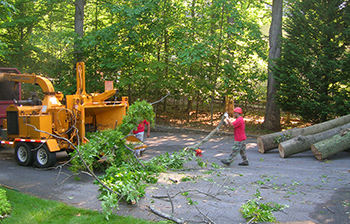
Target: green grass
{"x":29,"y":209}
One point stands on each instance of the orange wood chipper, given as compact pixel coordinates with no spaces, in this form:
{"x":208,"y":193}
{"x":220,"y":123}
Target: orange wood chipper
{"x":37,"y":132}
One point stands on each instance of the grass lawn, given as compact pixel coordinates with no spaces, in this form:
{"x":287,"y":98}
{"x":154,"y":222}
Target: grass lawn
{"x":31,"y":210}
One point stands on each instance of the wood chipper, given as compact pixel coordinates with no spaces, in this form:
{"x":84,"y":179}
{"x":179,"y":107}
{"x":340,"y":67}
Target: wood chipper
{"x":37,"y":132}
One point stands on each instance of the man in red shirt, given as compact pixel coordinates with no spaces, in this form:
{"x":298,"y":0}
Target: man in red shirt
{"x":139,"y":132}
{"x":239,"y":134}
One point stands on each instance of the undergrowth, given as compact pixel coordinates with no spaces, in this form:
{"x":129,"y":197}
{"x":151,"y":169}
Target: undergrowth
{"x":5,"y":206}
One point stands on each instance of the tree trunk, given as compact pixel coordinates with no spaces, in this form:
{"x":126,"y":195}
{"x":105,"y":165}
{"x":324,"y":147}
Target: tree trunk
{"x":272,"y":112}
{"x":229,"y":105}
{"x":189,"y":109}
{"x":213,"y":132}
{"x":303,"y":143}
{"x":331,"y":146}
{"x":216,"y":68}
{"x":79,"y":28}
{"x":197,"y":109}
{"x":271,"y":141}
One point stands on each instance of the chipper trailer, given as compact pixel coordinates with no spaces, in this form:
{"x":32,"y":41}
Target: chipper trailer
{"x":37,"y":132}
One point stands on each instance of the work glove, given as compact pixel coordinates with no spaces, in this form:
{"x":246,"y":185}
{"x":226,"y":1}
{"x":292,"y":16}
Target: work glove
{"x":226,"y":115}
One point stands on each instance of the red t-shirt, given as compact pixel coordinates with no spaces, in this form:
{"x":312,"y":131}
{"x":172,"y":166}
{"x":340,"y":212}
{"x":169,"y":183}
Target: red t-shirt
{"x":239,"y":131}
{"x":141,"y":127}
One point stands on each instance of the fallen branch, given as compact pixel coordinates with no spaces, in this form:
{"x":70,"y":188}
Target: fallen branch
{"x":213,"y":132}
{"x":330,"y":209}
{"x":134,"y":153}
{"x":221,"y":186}
{"x":251,"y":220}
{"x":211,"y":221}
{"x":180,"y":192}
{"x":164,"y":215}
{"x":172,"y":205}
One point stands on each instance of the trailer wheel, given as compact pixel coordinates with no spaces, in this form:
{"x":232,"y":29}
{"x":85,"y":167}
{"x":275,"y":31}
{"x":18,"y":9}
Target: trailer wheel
{"x":24,"y":154}
{"x":44,"y":158}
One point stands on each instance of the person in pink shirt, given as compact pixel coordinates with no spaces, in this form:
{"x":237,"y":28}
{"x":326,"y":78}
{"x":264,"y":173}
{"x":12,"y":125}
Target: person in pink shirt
{"x":239,"y":134}
{"x":139,"y":132}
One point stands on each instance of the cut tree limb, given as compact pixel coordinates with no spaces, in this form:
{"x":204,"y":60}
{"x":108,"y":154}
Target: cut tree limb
{"x":267,"y":143}
{"x":213,"y":132}
{"x":331,"y":146}
{"x":303,"y":143}
{"x":164,"y":215}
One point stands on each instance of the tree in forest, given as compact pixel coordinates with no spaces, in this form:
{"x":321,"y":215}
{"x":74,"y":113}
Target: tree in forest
{"x":6,"y":11}
{"x":313,"y":71}
{"x":272,"y":113}
{"x":79,"y":28}
{"x":37,"y":37}
{"x":199,"y":51}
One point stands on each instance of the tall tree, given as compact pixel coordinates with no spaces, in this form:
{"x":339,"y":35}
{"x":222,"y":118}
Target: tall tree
{"x":79,"y":28}
{"x":272,"y":112}
{"x":314,"y":68}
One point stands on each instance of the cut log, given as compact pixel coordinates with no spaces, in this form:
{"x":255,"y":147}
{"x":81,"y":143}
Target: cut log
{"x":303,"y":143}
{"x":331,"y":146}
{"x":213,"y":132}
{"x":271,"y":141}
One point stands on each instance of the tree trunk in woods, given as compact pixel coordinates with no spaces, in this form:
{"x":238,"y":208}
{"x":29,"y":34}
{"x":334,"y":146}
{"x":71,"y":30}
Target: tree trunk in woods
{"x":79,"y":28}
{"x":216,"y":68}
{"x":331,"y":146}
{"x":288,"y":118}
{"x":272,"y":112}
{"x":164,"y":105}
{"x":189,"y":109}
{"x":303,"y":143}
{"x":213,"y":132}
{"x":271,"y":141}
{"x":229,"y":105}
{"x":197,"y":105}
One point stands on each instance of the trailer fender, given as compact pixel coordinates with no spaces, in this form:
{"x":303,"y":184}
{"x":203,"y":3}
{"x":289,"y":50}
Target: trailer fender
{"x":52,"y":145}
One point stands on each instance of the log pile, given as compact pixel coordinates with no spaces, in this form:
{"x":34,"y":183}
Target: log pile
{"x":324,"y":139}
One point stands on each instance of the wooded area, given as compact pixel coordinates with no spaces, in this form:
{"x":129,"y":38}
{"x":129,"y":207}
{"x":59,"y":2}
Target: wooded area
{"x":199,"y":51}
{"x":193,"y":49}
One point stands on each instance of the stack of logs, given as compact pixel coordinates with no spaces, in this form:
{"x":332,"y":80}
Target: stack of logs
{"x":324,"y":139}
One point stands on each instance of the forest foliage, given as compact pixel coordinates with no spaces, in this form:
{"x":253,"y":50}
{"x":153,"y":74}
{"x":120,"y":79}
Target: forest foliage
{"x":147,"y":47}
{"x":313,"y":71}
{"x":197,"y":50}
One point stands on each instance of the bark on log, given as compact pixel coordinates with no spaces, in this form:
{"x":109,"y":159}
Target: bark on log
{"x":331,"y":146}
{"x":266,"y":142}
{"x":303,"y":143}
{"x":213,"y":132}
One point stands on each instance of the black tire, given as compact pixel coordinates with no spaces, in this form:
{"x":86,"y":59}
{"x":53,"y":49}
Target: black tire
{"x":24,"y":154}
{"x":44,"y":158}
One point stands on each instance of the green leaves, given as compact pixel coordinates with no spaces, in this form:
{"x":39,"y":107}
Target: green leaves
{"x":314,"y":61}
{"x":256,"y":212}
{"x":5,"y":206}
{"x":137,"y":112}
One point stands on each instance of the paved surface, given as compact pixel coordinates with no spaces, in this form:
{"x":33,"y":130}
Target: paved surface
{"x":316,"y":192}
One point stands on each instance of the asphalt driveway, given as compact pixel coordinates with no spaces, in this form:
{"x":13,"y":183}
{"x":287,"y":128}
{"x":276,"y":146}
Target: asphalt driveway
{"x":316,"y":192}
